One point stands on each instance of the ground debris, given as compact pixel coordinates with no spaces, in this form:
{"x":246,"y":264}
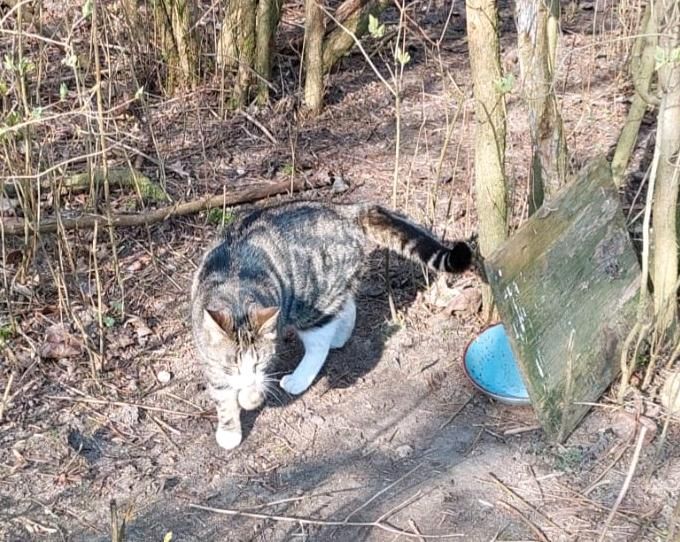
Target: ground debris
{"x":59,"y":343}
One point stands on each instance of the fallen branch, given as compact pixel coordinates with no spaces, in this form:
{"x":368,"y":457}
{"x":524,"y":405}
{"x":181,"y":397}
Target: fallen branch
{"x":121,"y":177}
{"x":246,"y":195}
{"x":323,"y":522}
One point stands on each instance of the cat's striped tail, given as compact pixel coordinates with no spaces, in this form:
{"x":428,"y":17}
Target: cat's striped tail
{"x":413,"y":241}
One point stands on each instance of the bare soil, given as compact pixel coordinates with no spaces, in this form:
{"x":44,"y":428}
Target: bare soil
{"x":392,"y":433}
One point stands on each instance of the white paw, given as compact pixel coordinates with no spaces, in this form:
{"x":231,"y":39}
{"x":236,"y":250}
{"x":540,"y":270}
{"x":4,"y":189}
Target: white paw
{"x":228,"y":439}
{"x":250,"y":399}
{"x":293,"y":385}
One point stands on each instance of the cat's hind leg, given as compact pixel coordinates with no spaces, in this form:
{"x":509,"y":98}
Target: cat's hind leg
{"x":346,"y":319}
{"x":317,"y":342}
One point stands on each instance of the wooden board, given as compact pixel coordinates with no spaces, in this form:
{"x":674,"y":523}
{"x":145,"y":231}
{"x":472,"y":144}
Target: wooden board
{"x":566,"y":285}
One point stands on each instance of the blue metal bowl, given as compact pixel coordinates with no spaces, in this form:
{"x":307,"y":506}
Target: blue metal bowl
{"x":491,"y":366}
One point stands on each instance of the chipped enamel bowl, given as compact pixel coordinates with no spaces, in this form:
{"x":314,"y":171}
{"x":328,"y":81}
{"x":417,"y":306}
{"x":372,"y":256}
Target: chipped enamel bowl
{"x":490,"y":364}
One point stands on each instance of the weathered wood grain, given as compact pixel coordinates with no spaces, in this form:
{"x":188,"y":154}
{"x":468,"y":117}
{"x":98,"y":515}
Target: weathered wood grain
{"x":566,"y":287}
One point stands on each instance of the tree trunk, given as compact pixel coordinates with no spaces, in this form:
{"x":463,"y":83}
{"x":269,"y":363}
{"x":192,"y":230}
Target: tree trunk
{"x":313,"y":54}
{"x":353,"y":15}
{"x":268,"y":13}
{"x":642,"y":71}
{"x":667,"y":155}
{"x":537,"y":43}
{"x":236,"y":46}
{"x":226,"y":56}
{"x":491,"y":198}
{"x":178,"y":42}
{"x":246,"y":53}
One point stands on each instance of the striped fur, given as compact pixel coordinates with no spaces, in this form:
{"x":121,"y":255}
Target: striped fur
{"x":292,"y":264}
{"x":413,"y":241}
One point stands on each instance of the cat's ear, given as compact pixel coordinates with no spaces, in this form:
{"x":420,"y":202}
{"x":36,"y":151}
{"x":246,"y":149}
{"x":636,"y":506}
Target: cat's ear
{"x":264,"y":320}
{"x":218,"y":324}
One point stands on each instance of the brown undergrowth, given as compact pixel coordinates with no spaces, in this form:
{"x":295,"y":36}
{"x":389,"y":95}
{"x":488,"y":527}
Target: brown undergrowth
{"x":100,"y":397}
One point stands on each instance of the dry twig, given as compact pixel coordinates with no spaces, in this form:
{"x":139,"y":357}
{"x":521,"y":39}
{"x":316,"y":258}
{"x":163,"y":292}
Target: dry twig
{"x":514,"y":494}
{"x":324,"y":523}
{"x":124,"y":403}
{"x":456,"y":412}
{"x":532,"y":526}
{"x":387,"y":488}
{"x":5,"y":396}
{"x":626,"y":483}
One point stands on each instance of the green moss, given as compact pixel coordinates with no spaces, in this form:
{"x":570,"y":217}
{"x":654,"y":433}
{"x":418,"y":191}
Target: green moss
{"x":220,"y":217}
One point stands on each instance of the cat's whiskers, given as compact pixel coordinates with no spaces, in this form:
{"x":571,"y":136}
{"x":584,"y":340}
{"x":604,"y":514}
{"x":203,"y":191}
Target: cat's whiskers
{"x":271,"y":389}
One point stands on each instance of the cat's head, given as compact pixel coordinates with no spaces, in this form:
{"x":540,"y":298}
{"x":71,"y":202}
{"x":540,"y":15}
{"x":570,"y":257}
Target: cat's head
{"x":241,"y":346}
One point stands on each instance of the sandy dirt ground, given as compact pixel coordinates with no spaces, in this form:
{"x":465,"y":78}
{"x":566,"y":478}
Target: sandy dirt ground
{"x":391,"y":442}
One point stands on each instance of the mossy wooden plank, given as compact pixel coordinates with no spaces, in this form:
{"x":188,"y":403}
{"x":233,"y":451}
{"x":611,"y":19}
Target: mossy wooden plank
{"x":566,"y":286}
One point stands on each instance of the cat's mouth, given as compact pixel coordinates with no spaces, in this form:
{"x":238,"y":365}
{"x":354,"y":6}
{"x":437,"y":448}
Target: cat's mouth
{"x":250,"y":383}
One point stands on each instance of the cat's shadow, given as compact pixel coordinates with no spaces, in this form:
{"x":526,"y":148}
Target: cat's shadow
{"x":364,"y":350}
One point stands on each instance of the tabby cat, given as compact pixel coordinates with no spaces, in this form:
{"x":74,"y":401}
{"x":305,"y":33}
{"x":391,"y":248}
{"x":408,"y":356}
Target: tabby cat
{"x":291,"y":264}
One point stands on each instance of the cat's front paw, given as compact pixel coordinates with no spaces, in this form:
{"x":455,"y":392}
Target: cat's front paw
{"x":294,"y":385}
{"x":228,"y":438}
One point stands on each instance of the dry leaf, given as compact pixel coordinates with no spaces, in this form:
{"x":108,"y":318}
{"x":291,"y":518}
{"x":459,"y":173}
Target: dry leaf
{"x":59,"y":343}
{"x":22,"y":290}
{"x":468,"y":301}
{"x":140,"y":327}
{"x":626,"y":426}
{"x":135,"y":266}
{"x":441,"y":294}
{"x":179,"y":168}
{"x":8,"y":206}
{"x":121,"y":341}
{"x":138,"y":263}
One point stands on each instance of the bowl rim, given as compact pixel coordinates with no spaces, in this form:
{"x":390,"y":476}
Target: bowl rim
{"x":507,"y":399}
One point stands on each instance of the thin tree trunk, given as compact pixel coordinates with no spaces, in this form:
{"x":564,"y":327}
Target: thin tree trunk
{"x":227,"y":49}
{"x":268,"y":13}
{"x":642,"y":71}
{"x":667,"y":151}
{"x":354,"y":17}
{"x":313,"y":53}
{"x":236,"y":47}
{"x":179,"y":43}
{"x":491,"y":198}
{"x":166,"y":42}
{"x":537,"y":24}
{"x":246,"y":53}
{"x":134,"y":21}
